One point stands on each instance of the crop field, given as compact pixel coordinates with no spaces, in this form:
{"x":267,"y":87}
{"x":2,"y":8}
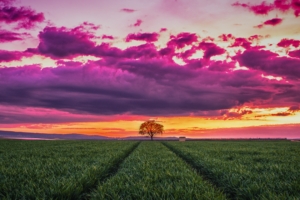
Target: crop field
{"x":149,"y":170}
{"x":246,"y":170}
{"x":56,"y":169}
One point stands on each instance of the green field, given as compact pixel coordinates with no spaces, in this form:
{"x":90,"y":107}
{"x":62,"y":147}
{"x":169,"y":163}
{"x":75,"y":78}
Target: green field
{"x":149,"y":170}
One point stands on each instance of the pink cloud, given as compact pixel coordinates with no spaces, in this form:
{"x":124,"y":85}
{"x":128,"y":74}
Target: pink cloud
{"x":264,"y":8}
{"x":128,"y":10}
{"x":110,"y":37}
{"x":8,"y":36}
{"x":273,"y":22}
{"x":296,"y":6}
{"x":255,"y":37}
{"x":226,"y":37}
{"x":289,"y":42}
{"x":260,"y":9}
{"x":221,"y":66}
{"x":241,"y":42}
{"x":75,"y":45}
{"x":295,"y":53}
{"x":138,"y":22}
{"x":283,"y":5}
{"x":147,"y":50}
{"x":148,"y":37}
{"x":236,"y":115}
{"x":6,"y":2}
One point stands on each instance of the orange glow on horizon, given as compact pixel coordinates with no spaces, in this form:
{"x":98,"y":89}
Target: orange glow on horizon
{"x":195,"y":126}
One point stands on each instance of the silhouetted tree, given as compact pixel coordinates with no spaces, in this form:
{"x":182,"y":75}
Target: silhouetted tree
{"x":151,"y":128}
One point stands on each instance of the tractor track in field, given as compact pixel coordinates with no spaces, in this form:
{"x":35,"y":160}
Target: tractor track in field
{"x":109,"y":172}
{"x":201,"y":171}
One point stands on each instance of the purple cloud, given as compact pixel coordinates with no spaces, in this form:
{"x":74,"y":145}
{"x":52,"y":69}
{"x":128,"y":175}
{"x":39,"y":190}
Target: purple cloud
{"x":101,"y":87}
{"x":270,"y":63}
{"x":211,"y":49}
{"x":62,"y":42}
{"x":6,"y":56}
{"x":8,"y":36}
{"x":24,"y":17}
{"x":182,"y":39}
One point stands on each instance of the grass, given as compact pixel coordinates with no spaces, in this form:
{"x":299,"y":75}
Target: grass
{"x":154,"y":172}
{"x":57,"y":170}
{"x":149,"y":170}
{"x":246,"y":169}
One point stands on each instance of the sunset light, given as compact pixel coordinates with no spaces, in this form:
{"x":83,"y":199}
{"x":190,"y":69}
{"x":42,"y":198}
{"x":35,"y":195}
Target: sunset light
{"x":204,"y":69}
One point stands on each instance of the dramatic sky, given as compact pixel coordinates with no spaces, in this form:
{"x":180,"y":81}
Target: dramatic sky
{"x":103,"y":67}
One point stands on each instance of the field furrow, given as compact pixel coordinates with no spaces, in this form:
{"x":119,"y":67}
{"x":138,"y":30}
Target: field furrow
{"x":59,"y":171}
{"x":246,"y":170}
{"x":154,"y":172}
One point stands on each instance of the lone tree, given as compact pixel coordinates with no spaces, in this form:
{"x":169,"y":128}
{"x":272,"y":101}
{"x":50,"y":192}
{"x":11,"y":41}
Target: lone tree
{"x":151,"y":128}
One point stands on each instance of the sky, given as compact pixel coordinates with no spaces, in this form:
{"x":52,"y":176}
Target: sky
{"x":200,"y":68}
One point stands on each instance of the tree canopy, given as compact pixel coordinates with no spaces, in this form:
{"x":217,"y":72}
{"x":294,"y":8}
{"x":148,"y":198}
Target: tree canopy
{"x":151,"y":128}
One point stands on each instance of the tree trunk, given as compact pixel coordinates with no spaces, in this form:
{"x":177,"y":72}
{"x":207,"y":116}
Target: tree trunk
{"x":151,"y":138}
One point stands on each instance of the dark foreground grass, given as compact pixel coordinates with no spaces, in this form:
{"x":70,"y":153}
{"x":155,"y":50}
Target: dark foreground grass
{"x":246,"y":169}
{"x":57,"y":169}
{"x":154,"y":172}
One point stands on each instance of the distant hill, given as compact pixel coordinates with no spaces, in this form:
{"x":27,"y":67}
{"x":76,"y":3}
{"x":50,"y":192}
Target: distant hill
{"x":73,"y":136}
{"x":42,"y":136}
